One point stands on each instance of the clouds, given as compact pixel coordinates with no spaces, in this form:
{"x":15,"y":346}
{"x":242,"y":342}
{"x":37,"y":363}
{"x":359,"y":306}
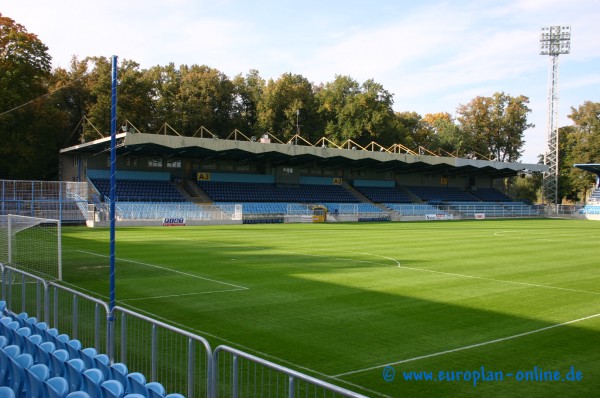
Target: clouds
{"x":432,"y":55}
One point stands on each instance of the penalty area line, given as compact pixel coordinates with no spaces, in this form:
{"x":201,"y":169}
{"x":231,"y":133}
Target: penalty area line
{"x":238,"y":287}
{"x":468,"y":347}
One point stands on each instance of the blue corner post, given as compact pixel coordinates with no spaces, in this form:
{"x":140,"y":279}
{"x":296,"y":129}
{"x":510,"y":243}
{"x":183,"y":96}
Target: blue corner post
{"x":113,"y":197}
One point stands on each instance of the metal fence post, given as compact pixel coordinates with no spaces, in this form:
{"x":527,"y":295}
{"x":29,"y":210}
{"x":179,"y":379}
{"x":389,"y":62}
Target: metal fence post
{"x":291,"y":387}
{"x":190,"y":366}
{"x":234,"y":377}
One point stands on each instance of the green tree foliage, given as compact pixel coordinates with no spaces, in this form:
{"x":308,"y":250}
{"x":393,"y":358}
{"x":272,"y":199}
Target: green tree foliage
{"x":494,"y":126}
{"x":247,"y":93}
{"x":579,"y":143}
{"x":288,"y":106}
{"x":448,"y":137}
{"x":360,"y":112}
{"x":30,"y":129}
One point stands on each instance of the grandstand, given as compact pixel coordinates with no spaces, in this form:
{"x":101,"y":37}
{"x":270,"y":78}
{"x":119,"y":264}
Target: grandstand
{"x":591,"y":209}
{"x":276,"y":182}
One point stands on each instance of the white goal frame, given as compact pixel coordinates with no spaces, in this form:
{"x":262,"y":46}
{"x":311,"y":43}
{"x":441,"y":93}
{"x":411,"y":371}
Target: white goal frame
{"x":15,"y":224}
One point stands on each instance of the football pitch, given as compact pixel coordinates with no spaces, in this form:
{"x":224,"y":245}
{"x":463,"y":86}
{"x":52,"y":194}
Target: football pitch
{"x":504,"y":308}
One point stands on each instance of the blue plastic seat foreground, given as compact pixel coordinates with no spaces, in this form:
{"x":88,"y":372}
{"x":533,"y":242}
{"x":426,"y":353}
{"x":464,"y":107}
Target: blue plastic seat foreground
{"x":137,"y":383}
{"x":102,"y":362}
{"x":118,"y":371}
{"x":174,"y":395}
{"x":73,"y":373}
{"x":58,"y":361}
{"x":16,"y":378}
{"x":56,"y":387}
{"x":112,"y":389}
{"x":35,"y":378}
{"x":78,"y":394}
{"x":6,"y":392}
{"x":155,"y":390}
{"x":6,"y":353}
{"x":92,"y":378}
{"x":88,"y":354}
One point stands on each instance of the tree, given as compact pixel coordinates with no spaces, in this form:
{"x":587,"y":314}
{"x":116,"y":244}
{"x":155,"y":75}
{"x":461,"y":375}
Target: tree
{"x":495,"y":125}
{"x":579,"y":143}
{"x":206,"y":98}
{"x":30,"y":129}
{"x":247,"y":93}
{"x":447,"y":133}
{"x":362,"y":113}
{"x":288,"y":105}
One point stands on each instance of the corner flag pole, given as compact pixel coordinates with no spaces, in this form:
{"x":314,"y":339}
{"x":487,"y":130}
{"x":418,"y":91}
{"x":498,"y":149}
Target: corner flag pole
{"x":113,"y":196}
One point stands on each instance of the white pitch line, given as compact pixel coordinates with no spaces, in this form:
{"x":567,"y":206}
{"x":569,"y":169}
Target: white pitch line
{"x":500,"y":280}
{"x":436,"y":354}
{"x":181,"y":295}
{"x":168,"y":269}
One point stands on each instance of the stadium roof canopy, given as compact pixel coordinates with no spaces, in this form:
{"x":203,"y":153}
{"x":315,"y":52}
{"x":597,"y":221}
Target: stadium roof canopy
{"x":592,"y":167}
{"x":141,"y":144}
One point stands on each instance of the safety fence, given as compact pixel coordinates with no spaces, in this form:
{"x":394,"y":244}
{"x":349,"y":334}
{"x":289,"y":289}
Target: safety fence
{"x":181,"y":361}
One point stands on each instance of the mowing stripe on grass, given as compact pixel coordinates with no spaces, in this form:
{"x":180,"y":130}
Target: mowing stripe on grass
{"x":260,"y":353}
{"x":238,"y":287}
{"x":436,"y":354}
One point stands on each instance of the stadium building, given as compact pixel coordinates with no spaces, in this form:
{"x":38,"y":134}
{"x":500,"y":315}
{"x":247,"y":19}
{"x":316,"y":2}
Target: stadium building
{"x":263,"y":180}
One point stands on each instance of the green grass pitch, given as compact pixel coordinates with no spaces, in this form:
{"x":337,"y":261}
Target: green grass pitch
{"x":509,"y":298}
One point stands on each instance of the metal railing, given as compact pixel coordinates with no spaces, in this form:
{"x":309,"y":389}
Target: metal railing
{"x":181,"y":361}
{"x":239,"y":374}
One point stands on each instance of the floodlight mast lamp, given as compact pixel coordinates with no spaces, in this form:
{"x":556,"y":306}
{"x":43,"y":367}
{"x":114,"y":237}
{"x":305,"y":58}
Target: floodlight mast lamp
{"x":554,"y":40}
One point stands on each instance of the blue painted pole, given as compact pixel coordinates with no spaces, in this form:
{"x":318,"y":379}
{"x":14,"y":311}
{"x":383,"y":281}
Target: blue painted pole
{"x":113,"y":196}
{"x":113,"y":181}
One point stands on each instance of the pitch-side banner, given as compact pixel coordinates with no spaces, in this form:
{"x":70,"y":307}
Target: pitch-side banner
{"x":173,"y":222}
{"x":433,"y":217}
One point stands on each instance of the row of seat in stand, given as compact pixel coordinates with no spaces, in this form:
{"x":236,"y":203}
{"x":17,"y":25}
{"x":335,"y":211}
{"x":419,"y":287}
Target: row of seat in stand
{"x":38,"y":362}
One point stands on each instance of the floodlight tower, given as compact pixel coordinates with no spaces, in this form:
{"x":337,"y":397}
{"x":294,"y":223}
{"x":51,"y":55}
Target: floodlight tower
{"x":554,"y":40}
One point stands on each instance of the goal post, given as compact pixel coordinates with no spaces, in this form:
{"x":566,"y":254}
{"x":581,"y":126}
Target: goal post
{"x":32,"y":244}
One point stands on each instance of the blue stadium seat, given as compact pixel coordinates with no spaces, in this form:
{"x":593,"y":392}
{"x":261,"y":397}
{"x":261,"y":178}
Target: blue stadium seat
{"x":16,"y":376}
{"x":102,"y":362}
{"x":56,"y":387}
{"x":6,"y":354}
{"x":155,"y":390}
{"x":174,"y":395}
{"x":6,"y":392}
{"x":20,"y":337}
{"x":61,"y":341}
{"x":119,"y":371}
{"x":88,"y":354}
{"x":58,"y":360}
{"x":31,"y":343}
{"x":78,"y":394}
{"x":137,"y":383}
{"x":36,"y":375}
{"x":74,"y":369}
{"x":73,"y":346}
{"x":92,"y":378}
{"x":3,"y":341}
{"x":112,"y":389}
{"x":43,"y":352}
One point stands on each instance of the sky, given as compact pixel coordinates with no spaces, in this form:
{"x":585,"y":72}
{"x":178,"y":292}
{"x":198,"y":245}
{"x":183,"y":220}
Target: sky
{"x":432,"y":55}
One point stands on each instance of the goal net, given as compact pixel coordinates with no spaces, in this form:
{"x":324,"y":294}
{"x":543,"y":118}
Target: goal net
{"x":32,"y":244}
